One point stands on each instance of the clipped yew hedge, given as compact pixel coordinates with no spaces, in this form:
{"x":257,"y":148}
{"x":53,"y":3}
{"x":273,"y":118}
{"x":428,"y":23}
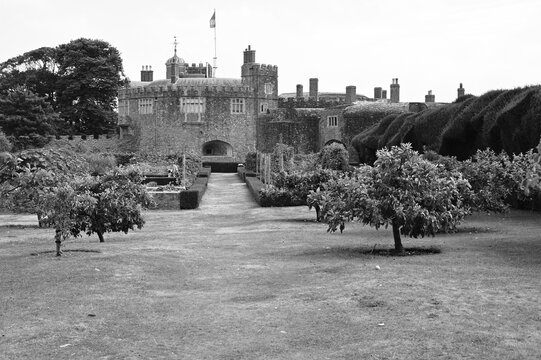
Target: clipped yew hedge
{"x":502,"y":120}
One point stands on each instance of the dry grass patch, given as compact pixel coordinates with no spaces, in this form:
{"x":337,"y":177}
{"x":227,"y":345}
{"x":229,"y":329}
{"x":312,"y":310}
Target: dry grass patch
{"x":257,"y":285}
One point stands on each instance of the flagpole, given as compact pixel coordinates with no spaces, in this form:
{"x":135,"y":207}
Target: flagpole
{"x":215,"y":56}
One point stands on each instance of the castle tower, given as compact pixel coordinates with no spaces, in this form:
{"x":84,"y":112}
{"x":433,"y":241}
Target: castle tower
{"x":263,"y":79}
{"x":461,"y":91}
{"x":313,"y":95}
{"x":300,"y":92}
{"x":175,"y":66}
{"x":395,"y":91}
{"x":147,"y":75}
{"x":430,"y":98}
{"x":384,"y":94}
{"x":351,"y":94}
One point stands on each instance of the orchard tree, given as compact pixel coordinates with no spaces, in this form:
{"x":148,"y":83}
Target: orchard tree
{"x":65,"y":207}
{"x":89,"y":76}
{"x":27,"y":177}
{"x":412,"y":195}
{"x":119,"y":198}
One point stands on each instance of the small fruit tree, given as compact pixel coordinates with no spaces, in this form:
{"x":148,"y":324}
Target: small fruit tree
{"x":119,"y":197}
{"x":56,"y":186}
{"x":412,"y":195}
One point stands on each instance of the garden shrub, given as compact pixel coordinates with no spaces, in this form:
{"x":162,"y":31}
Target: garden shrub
{"x":335,"y":157}
{"x":250,"y":161}
{"x":99,"y":164}
{"x":255,"y":186}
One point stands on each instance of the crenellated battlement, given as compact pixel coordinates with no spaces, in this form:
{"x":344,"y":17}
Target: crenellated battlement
{"x":174,"y":90}
{"x":259,"y":69}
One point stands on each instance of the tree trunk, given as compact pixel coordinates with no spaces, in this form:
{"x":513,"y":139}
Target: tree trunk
{"x":58,"y":241}
{"x":100,"y":235}
{"x":318,"y":216}
{"x":398,"y":248}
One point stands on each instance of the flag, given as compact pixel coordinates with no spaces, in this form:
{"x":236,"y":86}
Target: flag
{"x":213,"y":20}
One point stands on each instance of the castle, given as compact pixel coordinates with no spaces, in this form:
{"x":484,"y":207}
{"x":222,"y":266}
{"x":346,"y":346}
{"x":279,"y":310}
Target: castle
{"x":192,"y":111}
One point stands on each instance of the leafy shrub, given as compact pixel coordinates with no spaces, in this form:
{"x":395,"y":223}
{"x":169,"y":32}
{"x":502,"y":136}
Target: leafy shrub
{"x":250,"y":161}
{"x":335,"y":157}
{"x":99,"y":164}
{"x":273,"y":196}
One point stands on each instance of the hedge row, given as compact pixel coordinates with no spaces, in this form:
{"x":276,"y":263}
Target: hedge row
{"x":502,"y":120}
{"x":191,"y":198}
{"x":255,"y":186}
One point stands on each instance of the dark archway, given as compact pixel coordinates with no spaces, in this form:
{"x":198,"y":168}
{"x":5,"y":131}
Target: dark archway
{"x":217,"y":148}
{"x":332,"y":141}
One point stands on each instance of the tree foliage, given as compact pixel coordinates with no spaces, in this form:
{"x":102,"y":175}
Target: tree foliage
{"x":27,"y":118}
{"x":119,"y":197}
{"x":334,"y":156}
{"x":55,"y":185}
{"x":89,"y":76}
{"x":80,"y":80}
{"x":27,"y":177}
{"x":413,"y":195}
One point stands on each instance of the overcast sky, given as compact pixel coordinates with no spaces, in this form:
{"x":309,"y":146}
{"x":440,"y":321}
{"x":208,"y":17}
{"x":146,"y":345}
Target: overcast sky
{"x":428,"y":45}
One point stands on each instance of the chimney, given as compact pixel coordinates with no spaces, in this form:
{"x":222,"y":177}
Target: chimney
{"x":377,"y":93}
{"x":351,"y":94}
{"x":300,"y":93}
{"x":430,"y":98}
{"x":461,"y":91}
{"x":147,"y":75}
{"x":313,"y":95}
{"x":395,"y":91}
{"x":249,"y":55}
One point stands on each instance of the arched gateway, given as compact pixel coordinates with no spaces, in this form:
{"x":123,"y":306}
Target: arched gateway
{"x":217,"y":148}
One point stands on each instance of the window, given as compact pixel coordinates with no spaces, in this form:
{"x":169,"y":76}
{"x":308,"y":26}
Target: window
{"x":237,"y":106}
{"x":146,"y":106}
{"x":269,"y":88}
{"x":263,"y":107}
{"x":123,"y":107}
{"x":192,"y":107}
{"x":332,"y":121}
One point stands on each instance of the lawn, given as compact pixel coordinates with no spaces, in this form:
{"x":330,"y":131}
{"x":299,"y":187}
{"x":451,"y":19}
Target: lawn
{"x":270,"y":283}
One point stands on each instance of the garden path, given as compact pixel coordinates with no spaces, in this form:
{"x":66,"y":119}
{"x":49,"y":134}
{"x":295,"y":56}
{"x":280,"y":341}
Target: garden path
{"x":226,"y":194}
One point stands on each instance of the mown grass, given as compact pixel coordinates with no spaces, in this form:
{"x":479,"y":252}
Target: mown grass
{"x":270,"y":283}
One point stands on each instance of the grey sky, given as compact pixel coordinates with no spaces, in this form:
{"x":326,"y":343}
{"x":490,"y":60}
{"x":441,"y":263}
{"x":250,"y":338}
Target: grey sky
{"x":428,"y":45}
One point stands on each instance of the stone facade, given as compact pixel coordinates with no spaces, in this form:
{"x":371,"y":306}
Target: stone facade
{"x":191,"y":112}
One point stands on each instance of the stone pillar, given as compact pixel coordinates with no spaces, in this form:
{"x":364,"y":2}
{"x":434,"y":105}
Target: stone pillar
{"x":351,"y":94}
{"x":313,"y":95}
{"x":377,"y":93}
{"x":300,"y":92}
{"x":395,"y":91}
{"x":430,"y":98}
{"x":384,"y":94}
{"x":147,"y":75}
{"x":249,"y":55}
{"x":461,"y":91}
